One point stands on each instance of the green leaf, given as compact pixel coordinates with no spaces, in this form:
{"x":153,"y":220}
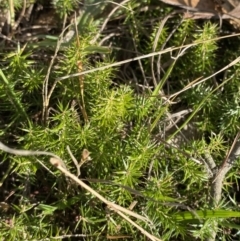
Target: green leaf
{"x":206,"y":214}
{"x":47,"y":209}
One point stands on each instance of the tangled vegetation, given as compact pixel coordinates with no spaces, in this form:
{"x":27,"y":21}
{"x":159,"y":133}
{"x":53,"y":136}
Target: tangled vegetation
{"x":148,"y":104}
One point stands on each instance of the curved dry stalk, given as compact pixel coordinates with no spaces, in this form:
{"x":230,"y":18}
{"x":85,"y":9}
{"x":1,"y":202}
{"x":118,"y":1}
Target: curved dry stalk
{"x":155,"y":44}
{"x":30,"y":153}
{"x":58,"y":162}
{"x":118,"y":209}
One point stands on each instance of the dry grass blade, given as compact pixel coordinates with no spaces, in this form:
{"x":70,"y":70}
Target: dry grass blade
{"x":46,"y":94}
{"x":196,"y":82}
{"x":57,"y":161}
{"x":141,"y":57}
{"x":118,"y":209}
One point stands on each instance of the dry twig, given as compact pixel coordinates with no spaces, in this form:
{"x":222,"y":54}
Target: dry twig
{"x":45,"y":93}
{"x":142,"y":57}
{"x":118,"y":209}
{"x":58,"y":162}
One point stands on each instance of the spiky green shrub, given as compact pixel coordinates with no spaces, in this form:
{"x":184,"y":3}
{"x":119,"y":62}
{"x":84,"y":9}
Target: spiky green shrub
{"x":124,"y":130}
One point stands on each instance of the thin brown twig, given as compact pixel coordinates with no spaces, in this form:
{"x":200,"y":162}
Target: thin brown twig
{"x":141,"y":57}
{"x":74,"y":161}
{"x":143,"y":231}
{"x":118,"y":209}
{"x":21,"y":15}
{"x":84,"y":158}
{"x":46,"y":95}
{"x":30,"y":153}
{"x":203,"y":80}
{"x":58,"y":162}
